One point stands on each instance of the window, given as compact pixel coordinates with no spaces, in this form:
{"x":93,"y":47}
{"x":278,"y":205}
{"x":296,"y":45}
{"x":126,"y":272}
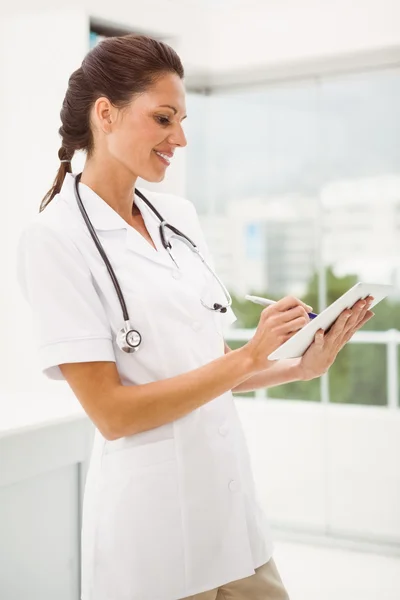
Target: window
{"x":316,"y":165}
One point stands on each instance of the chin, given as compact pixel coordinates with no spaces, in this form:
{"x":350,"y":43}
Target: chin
{"x":154,"y":177}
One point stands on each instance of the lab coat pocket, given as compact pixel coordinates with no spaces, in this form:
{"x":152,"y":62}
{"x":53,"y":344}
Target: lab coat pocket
{"x":139,"y":538}
{"x":135,"y":458}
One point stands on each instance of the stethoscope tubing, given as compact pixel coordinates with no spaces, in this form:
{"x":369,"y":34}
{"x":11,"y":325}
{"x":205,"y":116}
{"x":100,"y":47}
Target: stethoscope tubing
{"x":101,"y":249}
{"x":167,"y":245}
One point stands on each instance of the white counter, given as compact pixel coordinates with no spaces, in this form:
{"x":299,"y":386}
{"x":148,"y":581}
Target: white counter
{"x":26,"y":410}
{"x":45,"y":441}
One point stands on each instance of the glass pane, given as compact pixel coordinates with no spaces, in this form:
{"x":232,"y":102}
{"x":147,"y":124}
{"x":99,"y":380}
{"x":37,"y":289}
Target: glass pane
{"x":398,"y":371}
{"x":360,"y":184}
{"x":197,"y":156}
{"x":298,"y":390}
{"x":298,"y":187}
{"x":252,"y":175}
{"x":263,"y":146}
{"x":358,"y":376}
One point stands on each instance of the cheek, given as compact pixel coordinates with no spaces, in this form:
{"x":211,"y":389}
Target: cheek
{"x":134,"y":142}
{"x":148,"y":132}
{"x":126,"y":147}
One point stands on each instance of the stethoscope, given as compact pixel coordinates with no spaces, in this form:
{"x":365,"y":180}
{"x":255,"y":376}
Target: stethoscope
{"x":128,"y":339}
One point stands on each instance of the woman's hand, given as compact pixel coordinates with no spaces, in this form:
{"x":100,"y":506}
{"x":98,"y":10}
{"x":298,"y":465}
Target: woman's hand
{"x":278,"y":323}
{"x":323,"y":351}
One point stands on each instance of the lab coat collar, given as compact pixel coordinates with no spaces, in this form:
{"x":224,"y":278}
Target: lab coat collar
{"x":105,"y":218}
{"x":102,"y":216}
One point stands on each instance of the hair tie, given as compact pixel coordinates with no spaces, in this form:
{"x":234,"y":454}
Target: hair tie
{"x":66,"y":160}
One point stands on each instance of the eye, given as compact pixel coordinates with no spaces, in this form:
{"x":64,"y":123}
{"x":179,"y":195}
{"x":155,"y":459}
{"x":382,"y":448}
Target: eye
{"x":163,"y":120}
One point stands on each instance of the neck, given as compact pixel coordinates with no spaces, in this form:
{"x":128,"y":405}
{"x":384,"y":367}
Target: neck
{"x":114,"y":184}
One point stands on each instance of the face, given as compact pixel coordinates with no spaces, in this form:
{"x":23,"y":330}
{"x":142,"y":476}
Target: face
{"x":151,"y":125}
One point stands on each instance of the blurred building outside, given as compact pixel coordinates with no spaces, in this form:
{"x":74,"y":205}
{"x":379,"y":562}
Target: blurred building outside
{"x":270,"y":244}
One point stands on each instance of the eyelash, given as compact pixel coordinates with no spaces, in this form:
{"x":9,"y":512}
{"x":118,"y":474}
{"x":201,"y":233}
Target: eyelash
{"x":163,"y":121}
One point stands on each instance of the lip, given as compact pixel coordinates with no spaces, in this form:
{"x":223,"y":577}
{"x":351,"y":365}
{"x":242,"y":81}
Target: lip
{"x":166,"y":152}
{"x":165,"y":161}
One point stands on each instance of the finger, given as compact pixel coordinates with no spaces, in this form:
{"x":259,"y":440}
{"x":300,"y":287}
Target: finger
{"x":361,"y":301}
{"x":369,"y":314}
{"x":291,"y":302}
{"x":366,"y":318}
{"x":368,"y":302}
{"x":363,"y":304}
{"x":359,"y":314}
{"x":357,"y":311}
{"x":294,"y":313}
{"x":318,"y":338}
{"x":294,"y":325}
{"x":340,"y":327}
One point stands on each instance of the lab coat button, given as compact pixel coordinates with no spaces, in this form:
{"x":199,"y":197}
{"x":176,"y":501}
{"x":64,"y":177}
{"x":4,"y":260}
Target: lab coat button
{"x":176,"y":274}
{"x":223,"y":430}
{"x":233,"y":486}
{"x":196,"y":325}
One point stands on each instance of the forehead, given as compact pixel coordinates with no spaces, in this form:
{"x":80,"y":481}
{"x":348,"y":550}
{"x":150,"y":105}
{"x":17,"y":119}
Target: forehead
{"x":167,"y":90}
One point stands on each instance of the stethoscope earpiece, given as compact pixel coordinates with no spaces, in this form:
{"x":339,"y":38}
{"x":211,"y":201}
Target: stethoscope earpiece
{"x":220,"y":308}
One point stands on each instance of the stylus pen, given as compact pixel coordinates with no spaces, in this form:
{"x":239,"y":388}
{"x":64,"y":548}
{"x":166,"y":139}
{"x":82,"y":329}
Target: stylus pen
{"x":267,"y":302}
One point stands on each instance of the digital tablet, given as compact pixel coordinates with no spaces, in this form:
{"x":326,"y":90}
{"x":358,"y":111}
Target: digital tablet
{"x":298,"y":344}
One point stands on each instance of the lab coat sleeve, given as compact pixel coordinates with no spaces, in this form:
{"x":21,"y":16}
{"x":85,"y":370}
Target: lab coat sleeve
{"x":228,"y":318}
{"x":68,"y":320}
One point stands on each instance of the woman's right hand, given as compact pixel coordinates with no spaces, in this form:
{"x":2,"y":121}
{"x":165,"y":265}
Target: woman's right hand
{"x":278,"y":323}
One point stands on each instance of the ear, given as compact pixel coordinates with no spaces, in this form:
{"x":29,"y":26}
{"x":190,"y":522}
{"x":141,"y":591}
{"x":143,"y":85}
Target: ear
{"x":103,"y":112}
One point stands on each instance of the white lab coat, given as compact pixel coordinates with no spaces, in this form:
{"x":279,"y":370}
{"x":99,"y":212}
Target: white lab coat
{"x":170,"y":512}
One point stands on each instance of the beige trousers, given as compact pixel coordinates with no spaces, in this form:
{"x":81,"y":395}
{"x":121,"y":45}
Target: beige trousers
{"x":265,"y":584}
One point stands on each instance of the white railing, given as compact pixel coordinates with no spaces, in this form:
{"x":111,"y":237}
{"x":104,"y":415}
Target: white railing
{"x":390,"y":338}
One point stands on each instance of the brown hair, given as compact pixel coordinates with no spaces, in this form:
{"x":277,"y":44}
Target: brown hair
{"x":117,"y":68}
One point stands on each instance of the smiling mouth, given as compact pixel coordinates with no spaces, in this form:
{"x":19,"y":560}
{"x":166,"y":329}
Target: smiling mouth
{"x":164,"y":159}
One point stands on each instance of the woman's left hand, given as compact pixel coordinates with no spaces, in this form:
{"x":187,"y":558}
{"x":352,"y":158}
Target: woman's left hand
{"x":325,"y":347}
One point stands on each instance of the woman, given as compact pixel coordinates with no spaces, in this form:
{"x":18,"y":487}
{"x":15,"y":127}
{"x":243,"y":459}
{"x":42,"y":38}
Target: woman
{"x":170,"y":510}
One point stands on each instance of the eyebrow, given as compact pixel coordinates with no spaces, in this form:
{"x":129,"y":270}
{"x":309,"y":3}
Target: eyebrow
{"x":172,"y":108}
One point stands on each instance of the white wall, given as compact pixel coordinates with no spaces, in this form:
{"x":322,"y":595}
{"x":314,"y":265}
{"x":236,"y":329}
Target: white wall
{"x":245,"y":33}
{"x":269,"y":33}
{"x":186,"y":23}
{"x":326,"y":469}
{"x":39,"y":57}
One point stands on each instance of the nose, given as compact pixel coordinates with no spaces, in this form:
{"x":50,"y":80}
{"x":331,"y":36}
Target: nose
{"x":178,"y":137}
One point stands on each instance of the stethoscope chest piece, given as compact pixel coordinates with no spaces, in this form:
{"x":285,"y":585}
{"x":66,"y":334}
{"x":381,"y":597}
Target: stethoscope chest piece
{"x":128,"y":340}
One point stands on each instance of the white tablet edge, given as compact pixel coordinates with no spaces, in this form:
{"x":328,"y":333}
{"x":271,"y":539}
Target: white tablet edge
{"x":298,"y":344}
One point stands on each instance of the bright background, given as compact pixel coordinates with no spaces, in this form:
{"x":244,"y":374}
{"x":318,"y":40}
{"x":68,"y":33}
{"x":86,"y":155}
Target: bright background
{"x":293,"y":164}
